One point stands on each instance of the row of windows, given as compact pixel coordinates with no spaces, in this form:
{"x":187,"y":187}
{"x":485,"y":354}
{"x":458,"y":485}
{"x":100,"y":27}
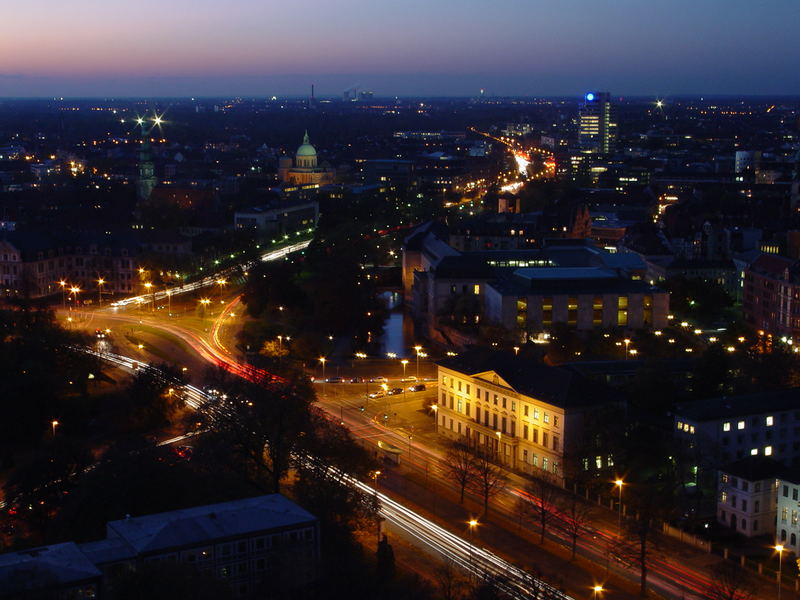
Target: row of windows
{"x":497,"y":400}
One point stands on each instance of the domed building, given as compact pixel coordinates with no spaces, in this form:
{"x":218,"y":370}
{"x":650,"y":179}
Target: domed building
{"x":304,"y":170}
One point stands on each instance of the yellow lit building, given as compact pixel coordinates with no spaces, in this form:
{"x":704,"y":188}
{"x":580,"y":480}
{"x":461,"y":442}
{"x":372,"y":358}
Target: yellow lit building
{"x":526,"y":415}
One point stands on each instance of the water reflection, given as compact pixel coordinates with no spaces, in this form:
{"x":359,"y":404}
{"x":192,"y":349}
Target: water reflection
{"x":398,"y":331}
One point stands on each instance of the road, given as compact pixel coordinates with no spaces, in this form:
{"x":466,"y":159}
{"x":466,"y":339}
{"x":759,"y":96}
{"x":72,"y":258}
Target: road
{"x":667,"y":576}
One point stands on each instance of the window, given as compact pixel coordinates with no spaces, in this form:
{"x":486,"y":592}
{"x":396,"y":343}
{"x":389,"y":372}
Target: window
{"x":740,"y":425}
{"x":546,"y":418}
{"x":794,"y":517}
{"x":555,"y":443}
{"x":755,"y":525}
{"x":784,"y":514}
{"x":744,"y":505}
{"x":536,"y":414}
{"x":724,"y":478}
{"x":726,"y":426}
{"x":753,"y":451}
{"x":622,"y":311}
{"x":723,"y":497}
{"x":525,"y":431}
{"x":544,"y":463}
{"x":476,"y":289}
{"x":513,"y":406}
{"x":786,"y":491}
{"x":680,"y":425}
{"x":597,"y":310}
{"x":745,"y":485}
{"x":757,"y":506}
{"x":770,"y":421}
{"x":544,"y":439}
{"x":757,"y":486}
{"x":794,"y":494}
{"x":768,"y":451}
{"x":555,"y":421}
{"x":525,"y":410}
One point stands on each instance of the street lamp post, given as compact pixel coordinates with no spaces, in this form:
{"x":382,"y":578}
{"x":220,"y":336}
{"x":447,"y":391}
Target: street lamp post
{"x":597,"y":590}
{"x":499,"y":439}
{"x":779,"y":549}
{"x":169,"y":302}
{"x":100,"y":283}
{"x":63,"y":285}
{"x":418,"y":349}
{"x":435,"y":409}
{"x":473,"y":523}
{"x":204,"y":302}
{"x":149,"y":286}
{"x":322,"y":359}
{"x":627,"y":343}
{"x":619,"y":483}
{"x":54,"y":424}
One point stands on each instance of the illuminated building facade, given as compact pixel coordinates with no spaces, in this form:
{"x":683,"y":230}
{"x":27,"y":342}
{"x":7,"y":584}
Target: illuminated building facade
{"x":524,"y":414}
{"x":597,"y":130}
{"x":305,"y":170}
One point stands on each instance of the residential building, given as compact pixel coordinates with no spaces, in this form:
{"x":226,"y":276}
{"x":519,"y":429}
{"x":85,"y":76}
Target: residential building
{"x":528,"y":416}
{"x":746,"y":500}
{"x":250,"y":544}
{"x":734,"y":427}
{"x":771,"y":295}
{"x":787,"y":530}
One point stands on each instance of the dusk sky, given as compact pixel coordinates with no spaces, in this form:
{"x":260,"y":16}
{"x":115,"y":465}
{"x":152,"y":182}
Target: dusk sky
{"x":409,"y":47}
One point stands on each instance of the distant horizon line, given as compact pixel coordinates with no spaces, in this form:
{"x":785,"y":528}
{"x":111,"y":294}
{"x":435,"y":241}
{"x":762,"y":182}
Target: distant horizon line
{"x":397,"y":97}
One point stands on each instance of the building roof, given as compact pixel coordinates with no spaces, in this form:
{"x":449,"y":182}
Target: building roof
{"x":713,"y":409}
{"x":560,"y":386}
{"x":754,"y":468}
{"x":306,"y":149}
{"x":58,"y":565}
{"x":185,"y":527}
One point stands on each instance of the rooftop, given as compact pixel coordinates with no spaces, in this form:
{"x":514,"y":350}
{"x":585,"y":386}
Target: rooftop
{"x":732,"y":407}
{"x":560,"y":386}
{"x":47,"y":566}
{"x":152,"y":533}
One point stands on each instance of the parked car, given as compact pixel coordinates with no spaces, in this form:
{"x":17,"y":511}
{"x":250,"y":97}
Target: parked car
{"x":356,"y":380}
{"x":333,"y":380}
{"x":420,"y":387}
{"x":408,"y":379}
{"x":379,"y":394}
{"x":395,"y":391}
{"x":379,"y":380}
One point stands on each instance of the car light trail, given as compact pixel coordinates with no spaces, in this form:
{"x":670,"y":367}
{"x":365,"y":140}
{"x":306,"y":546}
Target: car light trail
{"x":209,"y":280}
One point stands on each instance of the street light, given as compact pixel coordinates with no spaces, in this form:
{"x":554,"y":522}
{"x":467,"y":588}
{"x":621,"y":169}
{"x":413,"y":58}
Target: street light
{"x":473,"y":523}
{"x":149,"y":286}
{"x":54,"y":424}
{"x":499,"y":438}
{"x":404,"y":362}
{"x":418,"y":348}
{"x":627,"y":343}
{"x":100,"y":283}
{"x":63,"y":285}
{"x":619,"y":483}
{"x":435,"y":409}
{"x":779,"y":549}
{"x":322,"y":359}
{"x":597,"y":590}
{"x":221,"y":283}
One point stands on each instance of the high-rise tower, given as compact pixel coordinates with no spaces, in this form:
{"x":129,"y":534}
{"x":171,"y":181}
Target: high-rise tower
{"x":597,"y":128}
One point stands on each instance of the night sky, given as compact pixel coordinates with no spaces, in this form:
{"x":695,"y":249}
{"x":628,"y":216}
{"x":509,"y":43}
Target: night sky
{"x":408,"y":47}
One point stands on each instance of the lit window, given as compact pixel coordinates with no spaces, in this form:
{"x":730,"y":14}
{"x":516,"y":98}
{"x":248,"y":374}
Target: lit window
{"x":770,"y":421}
{"x":768,"y":451}
{"x":754,"y":452}
{"x":476,"y":289}
{"x":691,"y":429}
{"x":726,"y":426}
{"x":740,"y":425}
{"x":680,"y":425}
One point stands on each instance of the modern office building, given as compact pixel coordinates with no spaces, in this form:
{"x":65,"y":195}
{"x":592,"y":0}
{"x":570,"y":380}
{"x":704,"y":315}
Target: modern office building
{"x":597,"y":129}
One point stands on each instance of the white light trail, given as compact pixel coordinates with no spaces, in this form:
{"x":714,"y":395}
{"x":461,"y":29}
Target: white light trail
{"x":210,"y":280}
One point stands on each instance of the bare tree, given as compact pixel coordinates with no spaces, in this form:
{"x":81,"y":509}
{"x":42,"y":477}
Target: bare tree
{"x":541,"y":496}
{"x":730,"y":582}
{"x":488,"y":481}
{"x":461,"y":466}
{"x":574,"y":518}
{"x":450,"y":582}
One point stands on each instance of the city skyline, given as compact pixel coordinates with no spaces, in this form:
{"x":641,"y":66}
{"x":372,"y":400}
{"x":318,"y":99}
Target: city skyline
{"x":447,"y":49}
